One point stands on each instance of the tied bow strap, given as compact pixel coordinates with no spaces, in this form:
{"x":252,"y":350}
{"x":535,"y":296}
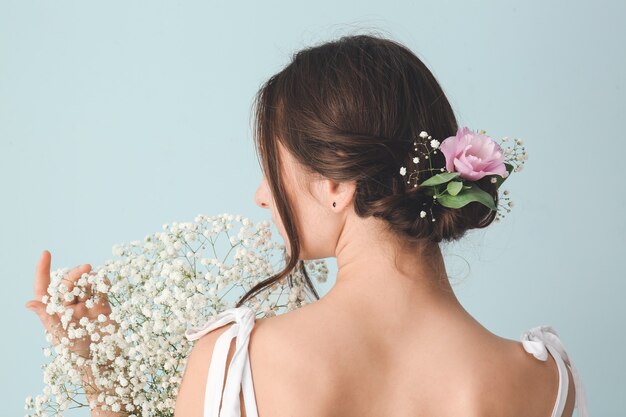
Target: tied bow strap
{"x":538,"y":341}
{"x":239,"y":375}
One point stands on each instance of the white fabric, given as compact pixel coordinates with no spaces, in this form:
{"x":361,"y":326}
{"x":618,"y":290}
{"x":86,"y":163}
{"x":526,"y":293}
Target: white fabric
{"x":543,"y":339}
{"x":539,"y":341}
{"x":239,"y":376}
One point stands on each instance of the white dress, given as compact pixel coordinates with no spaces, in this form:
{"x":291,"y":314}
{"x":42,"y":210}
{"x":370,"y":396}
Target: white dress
{"x":538,"y":341}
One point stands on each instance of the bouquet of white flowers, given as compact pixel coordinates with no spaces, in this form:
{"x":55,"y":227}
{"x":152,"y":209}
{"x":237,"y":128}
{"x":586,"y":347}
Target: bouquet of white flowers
{"x":156,"y":290}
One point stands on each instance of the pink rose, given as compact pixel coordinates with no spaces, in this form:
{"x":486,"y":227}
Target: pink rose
{"x":473,"y":155}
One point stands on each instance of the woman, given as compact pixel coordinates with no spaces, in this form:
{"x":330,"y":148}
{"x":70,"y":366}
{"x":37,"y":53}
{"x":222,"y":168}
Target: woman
{"x":390,"y":338}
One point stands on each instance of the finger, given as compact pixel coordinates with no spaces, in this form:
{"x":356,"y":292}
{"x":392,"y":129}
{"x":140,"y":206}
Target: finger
{"x":104,"y":295}
{"x":50,"y":322}
{"x":86,"y":294}
{"x":88,"y":288}
{"x":102,"y":304}
{"x":42,"y":275}
{"x":74,"y":275}
{"x":70,"y":281}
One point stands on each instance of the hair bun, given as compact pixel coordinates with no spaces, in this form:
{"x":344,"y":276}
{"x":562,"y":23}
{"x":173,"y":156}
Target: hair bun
{"x":416,"y":215}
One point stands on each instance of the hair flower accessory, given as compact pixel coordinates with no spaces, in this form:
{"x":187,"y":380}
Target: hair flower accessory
{"x":470,"y":156}
{"x":473,"y":155}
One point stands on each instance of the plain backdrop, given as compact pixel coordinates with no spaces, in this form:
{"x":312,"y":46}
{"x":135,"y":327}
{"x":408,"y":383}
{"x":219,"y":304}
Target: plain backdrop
{"x":119,"y":116}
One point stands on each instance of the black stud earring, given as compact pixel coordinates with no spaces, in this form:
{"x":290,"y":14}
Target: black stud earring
{"x":334,"y":204}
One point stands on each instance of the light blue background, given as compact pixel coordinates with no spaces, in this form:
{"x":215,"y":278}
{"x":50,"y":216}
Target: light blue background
{"x":119,"y":116}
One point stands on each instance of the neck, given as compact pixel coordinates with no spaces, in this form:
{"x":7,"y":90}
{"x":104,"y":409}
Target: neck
{"x":385,"y":277}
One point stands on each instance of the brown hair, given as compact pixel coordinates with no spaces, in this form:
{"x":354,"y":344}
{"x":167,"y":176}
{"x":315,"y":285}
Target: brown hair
{"x":350,"y":109}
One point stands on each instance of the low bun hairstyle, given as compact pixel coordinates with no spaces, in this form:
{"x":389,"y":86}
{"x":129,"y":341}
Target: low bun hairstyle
{"x":350,"y":110}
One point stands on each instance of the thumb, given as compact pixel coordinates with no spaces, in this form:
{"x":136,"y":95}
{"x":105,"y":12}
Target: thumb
{"x":49,"y":321}
{"x":36,"y":307}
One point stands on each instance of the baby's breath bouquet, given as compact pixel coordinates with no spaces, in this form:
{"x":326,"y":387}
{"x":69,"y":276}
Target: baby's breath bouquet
{"x":157,"y":289}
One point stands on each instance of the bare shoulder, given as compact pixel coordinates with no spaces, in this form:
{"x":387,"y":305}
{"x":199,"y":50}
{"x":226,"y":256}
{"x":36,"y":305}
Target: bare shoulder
{"x":191,"y":391}
{"x":307,"y":357}
{"x":275,"y":350}
{"x":299,"y":340}
{"x":547,"y":375}
{"x":289,"y":364}
{"x":523,"y":385}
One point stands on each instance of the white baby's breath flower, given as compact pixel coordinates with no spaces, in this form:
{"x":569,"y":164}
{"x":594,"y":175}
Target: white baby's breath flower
{"x":423,"y":134}
{"x":117,"y":250}
{"x":162,"y":285}
{"x":102,"y":287}
{"x":416,"y":160}
{"x":403,"y":171}
{"x":434,"y":143}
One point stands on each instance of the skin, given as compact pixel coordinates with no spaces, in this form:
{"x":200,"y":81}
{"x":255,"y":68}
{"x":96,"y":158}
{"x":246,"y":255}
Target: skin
{"x":390,"y":338}
{"x":52,"y":323}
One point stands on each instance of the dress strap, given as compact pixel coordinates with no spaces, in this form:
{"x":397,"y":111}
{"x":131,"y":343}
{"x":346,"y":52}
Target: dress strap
{"x":543,"y":339}
{"x":239,"y":375}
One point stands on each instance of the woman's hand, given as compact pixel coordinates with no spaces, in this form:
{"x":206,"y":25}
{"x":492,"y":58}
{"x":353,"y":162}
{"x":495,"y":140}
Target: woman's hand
{"x":52,"y":323}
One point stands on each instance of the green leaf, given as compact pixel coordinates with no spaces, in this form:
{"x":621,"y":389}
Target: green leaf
{"x":499,"y":179}
{"x":467,"y":196}
{"x":454,"y":187}
{"x":440,"y":178}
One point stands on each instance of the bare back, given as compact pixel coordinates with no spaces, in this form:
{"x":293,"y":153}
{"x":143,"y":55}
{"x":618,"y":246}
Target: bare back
{"x":310,"y":363}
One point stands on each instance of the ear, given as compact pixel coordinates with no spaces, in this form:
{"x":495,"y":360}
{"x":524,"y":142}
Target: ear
{"x":342,"y":193}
